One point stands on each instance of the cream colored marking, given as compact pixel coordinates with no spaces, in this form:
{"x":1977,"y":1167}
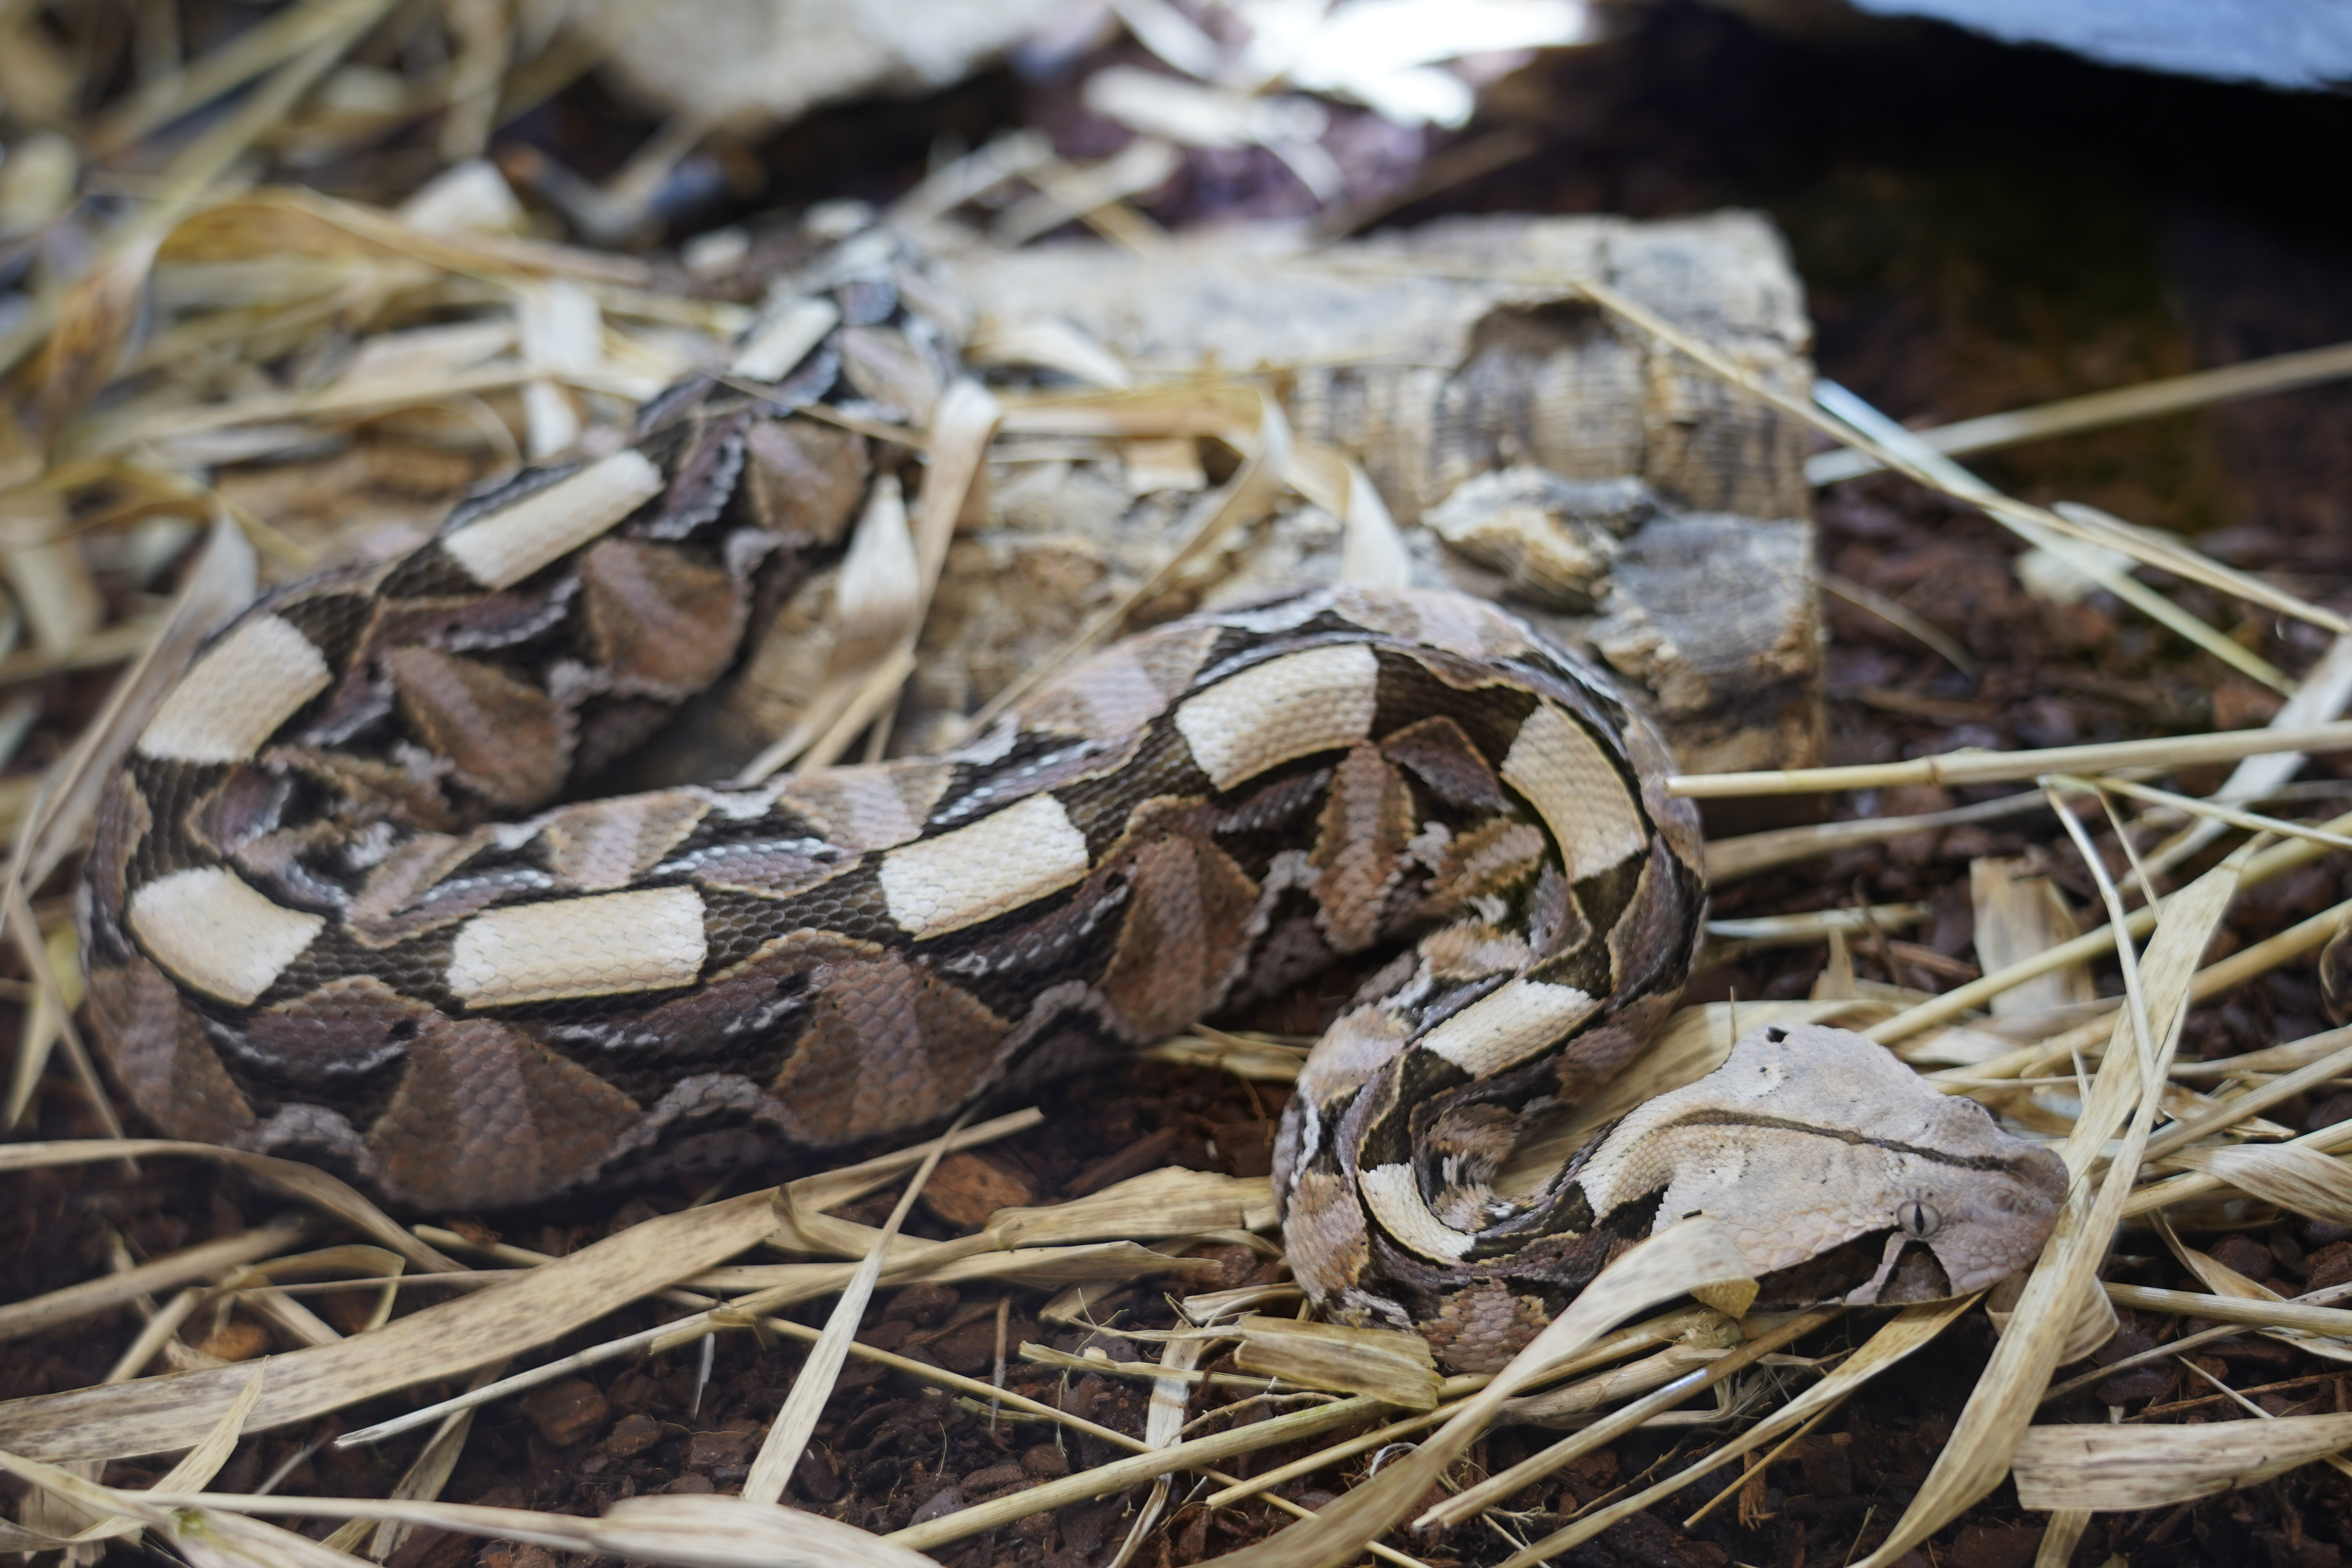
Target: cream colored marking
{"x":997,"y":864}
{"x":600,"y":946}
{"x":214,"y":932}
{"x":507,"y":545}
{"x":236,"y":695}
{"x":1395,"y":1201}
{"x":1581,"y":798}
{"x":1303,"y":703}
{"x":778,"y":344}
{"x":1506,"y":1026}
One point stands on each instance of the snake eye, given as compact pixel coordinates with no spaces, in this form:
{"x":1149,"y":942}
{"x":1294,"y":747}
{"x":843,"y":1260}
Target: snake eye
{"x":1917,"y":1220}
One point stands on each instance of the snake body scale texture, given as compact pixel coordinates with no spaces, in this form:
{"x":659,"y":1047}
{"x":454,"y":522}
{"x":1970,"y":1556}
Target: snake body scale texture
{"x":345,"y":902}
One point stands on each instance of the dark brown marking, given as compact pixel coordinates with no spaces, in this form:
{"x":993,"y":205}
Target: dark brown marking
{"x":157,"y":1047}
{"x":1853,"y":1135}
{"x":1439,"y":751}
{"x":507,"y":738}
{"x":889,"y":1043}
{"x":660,"y":623}
{"x":1185,"y":932}
{"x":528,"y":1120}
{"x":1366,"y":822}
{"x":805,"y":478}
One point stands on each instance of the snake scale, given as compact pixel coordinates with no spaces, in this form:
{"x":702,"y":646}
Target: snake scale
{"x":354,"y":896}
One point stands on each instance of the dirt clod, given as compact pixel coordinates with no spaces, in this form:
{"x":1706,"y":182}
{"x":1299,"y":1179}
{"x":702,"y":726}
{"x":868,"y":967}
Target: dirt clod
{"x":1986,"y":1546}
{"x":237,"y":1342}
{"x":567,"y":1412}
{"x":967,"y":1188}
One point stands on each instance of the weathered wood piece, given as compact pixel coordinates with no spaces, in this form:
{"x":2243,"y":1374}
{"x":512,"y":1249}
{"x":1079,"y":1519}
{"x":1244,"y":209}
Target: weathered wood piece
{"x":1534,"y":449}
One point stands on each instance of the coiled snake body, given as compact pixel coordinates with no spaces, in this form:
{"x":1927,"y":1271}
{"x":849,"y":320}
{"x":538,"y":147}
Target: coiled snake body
{"x":334,"y":909}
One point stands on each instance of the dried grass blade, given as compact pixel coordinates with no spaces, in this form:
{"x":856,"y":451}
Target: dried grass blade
{"x":1975,"y":767}
{"x":1120,"y":1474}
{"x":1950,"y":1005}
{"x":153,"y":1335}
{"x":1373,"y":553}
{"x":1486,"y":1493}
{"x":158,"y":1415}
{"x":1728,"y":859}
{"x":956,"y":1262}
{"x":57,"y":992}
{"x":265,"y":44}
{"x":2035,"y":526}
{"x":1168,"y":1202}
{"x":799,"y":1284}
{"x":1093,"y":194}
{"x":1631,"y":1381}
{"x":197,"y":1467}
{"x":2196,"y":1185}
{"x":306,"y":1182}
{"x":2326,"y":687}
{"x":1249,"y":495}
{"x":2059,"y":1051}
{"x":786,"y":1285}
{"x":94,"y":324}
{"x":2253,"y":821}
{"x":2223,"y":1280}
{"x":2105,"y":1468}
{"x":830,"y":1189}
{"x":974,"y":174}
{"x":1163,"y":1426}
{"x":1894,"y":613}
{"x":421,"y":1481}
{"x":789,"y":1435}
{"x":2059,"y":1537}
{"x":2284,"y":1057}
{"x":1383,"y":1362}
{"x":729,"y":1532}
{"x":2174,"y":555}
{"x":2292,"y":1176}
{"x":705,"y":1531}
{"x":2096,"y":410}
{"x":2334,"y":1322}
{"x":200,"y":1464}
{"x":2053,"y":1307}
{"x":1323,"y":1459}
{"x":1693,"y":1254}
{"x":962,"y":428}
{"x":209,"y":155}
{"x":1897,"y":1338}
{"x":2019,"y":914}
{"x":199,"y":1262}
{"x":2229,"y":1113}
{"x":221,"y":583}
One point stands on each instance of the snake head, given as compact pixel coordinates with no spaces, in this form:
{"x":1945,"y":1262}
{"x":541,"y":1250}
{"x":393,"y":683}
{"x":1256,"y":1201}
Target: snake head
{"x":1953,"y":1237}
{"x":1842,"y":1174}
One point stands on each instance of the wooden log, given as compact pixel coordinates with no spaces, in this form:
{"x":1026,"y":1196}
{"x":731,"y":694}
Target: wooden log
{"x":1533,"y":448}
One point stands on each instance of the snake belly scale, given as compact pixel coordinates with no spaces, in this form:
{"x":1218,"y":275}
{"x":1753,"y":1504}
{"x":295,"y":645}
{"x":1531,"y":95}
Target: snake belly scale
{"x":351,"y":899}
